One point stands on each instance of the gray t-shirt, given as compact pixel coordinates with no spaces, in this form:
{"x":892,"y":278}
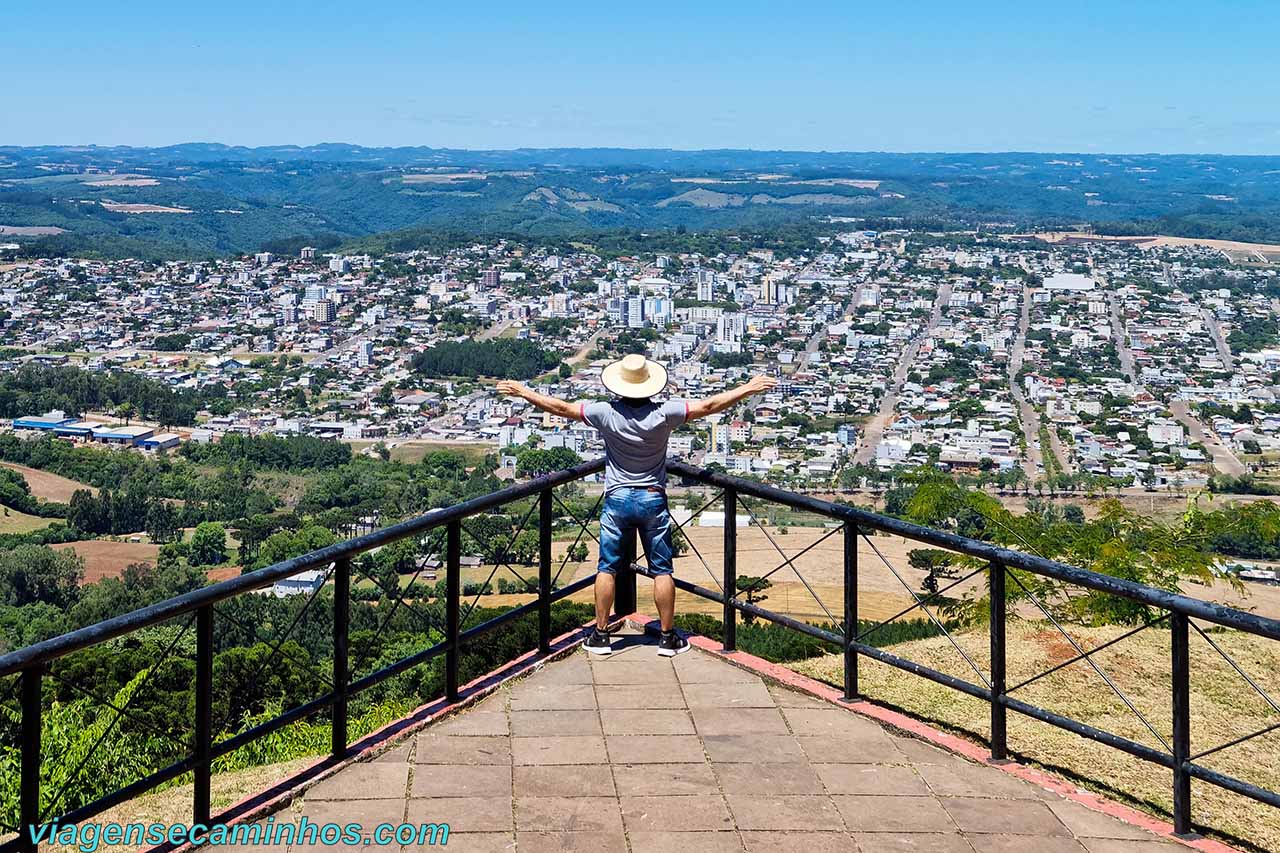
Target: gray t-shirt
{"x":635,"y":439}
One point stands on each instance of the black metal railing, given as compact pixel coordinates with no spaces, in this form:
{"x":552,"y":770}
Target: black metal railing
{"x":997,"y":563}
{"x":199,"y":608}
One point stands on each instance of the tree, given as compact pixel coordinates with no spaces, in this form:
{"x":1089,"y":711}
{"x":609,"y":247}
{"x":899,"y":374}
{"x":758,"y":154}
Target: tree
{"x":752,"y":588}
{"x":34,"y":573}
{"x":208,"y":545}
{"x":127,"y":411}
{"x":162,"y":522}
{"x":565,"y":370}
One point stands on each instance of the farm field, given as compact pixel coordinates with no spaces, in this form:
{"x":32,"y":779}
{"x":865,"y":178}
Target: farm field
{"x":104,"y":558}
{"x":46,"y":486}
{"x":12,"y":521}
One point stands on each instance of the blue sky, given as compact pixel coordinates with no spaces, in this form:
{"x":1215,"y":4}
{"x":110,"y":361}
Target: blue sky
{"x":1170,"y":76}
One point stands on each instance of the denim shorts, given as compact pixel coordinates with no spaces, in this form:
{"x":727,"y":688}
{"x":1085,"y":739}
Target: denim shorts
{"x":626,"y":511}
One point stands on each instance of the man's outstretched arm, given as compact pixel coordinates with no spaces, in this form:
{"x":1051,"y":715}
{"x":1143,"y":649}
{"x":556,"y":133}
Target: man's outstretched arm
{"x":727,"y":399}
{"x":554,"y":405}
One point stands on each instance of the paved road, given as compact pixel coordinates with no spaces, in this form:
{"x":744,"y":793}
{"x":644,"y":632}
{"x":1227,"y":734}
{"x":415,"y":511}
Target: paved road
{"x":1224,"y":350}
{"x":1033,"y":461}
{"x":876,"y":426}
{"x":1223,"y":459}
{"x":495,"y":330}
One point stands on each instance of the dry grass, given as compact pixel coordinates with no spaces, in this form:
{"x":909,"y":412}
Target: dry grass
{"x":12,"y":521}
{"x":1223,"y":708}
{"x":106,"y":559}
{"x":49,"y":487}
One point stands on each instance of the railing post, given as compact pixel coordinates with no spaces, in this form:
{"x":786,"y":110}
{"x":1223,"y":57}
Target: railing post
{"x":544,"y":570}
{"x":730,"y":569}
{"x":850,"y":610}
{"x":625,"y":579}
{"x":453,"y":571}
{"x":204,"y":715}
{"x":29,"y":785}
{"x":999,"y":737}
{"x":1178,"y":624}
{"x":341,"y":637}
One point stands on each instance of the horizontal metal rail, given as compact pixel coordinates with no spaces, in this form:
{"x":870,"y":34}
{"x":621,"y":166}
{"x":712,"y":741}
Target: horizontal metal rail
{"x":1219,"y":614}
{"x":1178,"y":609}
{"x":33,"y":661}
{"x":126,"y":623}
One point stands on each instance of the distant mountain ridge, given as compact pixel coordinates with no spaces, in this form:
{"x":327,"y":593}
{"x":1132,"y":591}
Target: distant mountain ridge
{"x":202,"y":198}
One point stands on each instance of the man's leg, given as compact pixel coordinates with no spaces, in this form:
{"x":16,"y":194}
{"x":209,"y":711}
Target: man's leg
{"x":664,"y":598}
{"x":612,"y":558}
{"x":604,"y":599}
{"x":655,"y":535}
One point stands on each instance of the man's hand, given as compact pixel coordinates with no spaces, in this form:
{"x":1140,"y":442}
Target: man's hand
{"x":760,"y":384}
{"x":508,"y":388}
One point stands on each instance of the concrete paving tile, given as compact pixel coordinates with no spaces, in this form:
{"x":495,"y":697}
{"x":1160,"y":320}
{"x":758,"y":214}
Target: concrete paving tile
{"x":654,"y":749}
{"x":586,"y":749}
{"x":469,"y":842}
{"x":568,"y":814}
{"x":694,"y":813}
{"x":1003,"y":817}
{"x":538,"y":723}
{"x":918,"y":751}
{"x":571,"y":842}
{"x":463,"y":814}
{"x":789,"y":813}
{"x":877,"y":748}
{"x":698,"y":668}
{"x":473,"y":723}
{"x":780,"y":779}
{"x":459,"y":749}
{"x":739,"y":721}
{"x":875,"y":779}
{"x":639,"y":671}
{"x":553,"y":697}
{"x":363,"y":780}
{"x":786,"y":698}
{"x":395,"y":754}
{"x":461,"y":780}
{"x":912,"y":842}
{"x":572,"y":670}
{"x":746,"y":695}
{"x":960,"y":778}
{"x":1023,"y":843}
{"x":753,"y":749}
{"x":792,"y":841}
{"x":685,"y":842}
{"x":1084,"y":822}
{"x":830,"y":721}
{"x":664,"y":780}
{"x":652,"y":721}
{"x":1125,"y":845}
{"x":657,"y":696}
{"x":552,"y":780}
{"x":370,"y":813}
{"x":894,"y":814}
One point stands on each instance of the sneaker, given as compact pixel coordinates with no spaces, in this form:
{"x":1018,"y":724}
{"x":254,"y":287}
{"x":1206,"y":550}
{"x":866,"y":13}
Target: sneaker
{"x":598,"y":642}
{"x":671,"y":644}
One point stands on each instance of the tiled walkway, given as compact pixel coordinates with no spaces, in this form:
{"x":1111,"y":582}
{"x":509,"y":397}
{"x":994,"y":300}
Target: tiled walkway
{"x":641,"y":753}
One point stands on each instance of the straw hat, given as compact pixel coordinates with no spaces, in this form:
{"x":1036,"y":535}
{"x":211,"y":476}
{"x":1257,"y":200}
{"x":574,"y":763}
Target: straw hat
{"x":634,"y":376}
